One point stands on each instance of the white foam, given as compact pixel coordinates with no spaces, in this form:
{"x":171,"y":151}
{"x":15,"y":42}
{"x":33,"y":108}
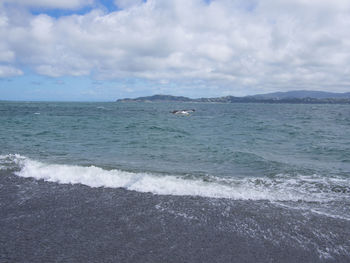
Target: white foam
{"x":280,"y":188}
{"x":10,"y":161}
{"x":142,"y":182}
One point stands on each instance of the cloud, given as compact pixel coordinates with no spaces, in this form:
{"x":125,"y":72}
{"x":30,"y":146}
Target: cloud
{"x":236,"y":44}
{"x":59,"y":4}
{"x":8,"y":71}
{"x":127,"y":3}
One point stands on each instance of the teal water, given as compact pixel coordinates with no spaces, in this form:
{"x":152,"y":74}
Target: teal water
{"x":218,"y":139}
{"x":230,"y":182}
{"x":245,"y":151}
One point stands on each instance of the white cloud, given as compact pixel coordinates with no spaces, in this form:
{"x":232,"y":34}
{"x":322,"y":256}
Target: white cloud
{"x":237,"y":44}
{"x":127,"y":3}
{"x":60,"y":4}
{"x":8,"y":71}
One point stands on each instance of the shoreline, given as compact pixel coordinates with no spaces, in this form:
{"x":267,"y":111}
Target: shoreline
{"x":51,"y":222}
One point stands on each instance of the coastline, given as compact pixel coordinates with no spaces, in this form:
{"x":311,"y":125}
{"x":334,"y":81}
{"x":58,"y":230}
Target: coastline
{"x":50,"y":222}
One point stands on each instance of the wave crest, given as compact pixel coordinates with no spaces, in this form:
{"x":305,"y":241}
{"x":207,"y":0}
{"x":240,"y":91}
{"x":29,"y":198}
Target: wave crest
{"x":279,"y":188}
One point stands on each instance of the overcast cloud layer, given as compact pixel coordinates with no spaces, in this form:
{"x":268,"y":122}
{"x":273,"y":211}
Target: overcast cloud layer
{"x":231,"y":45}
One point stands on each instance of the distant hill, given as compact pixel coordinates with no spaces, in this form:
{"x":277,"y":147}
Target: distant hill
{"x":169,"y":98}
{"x":301,"y":96}
{"x":156,"y":98}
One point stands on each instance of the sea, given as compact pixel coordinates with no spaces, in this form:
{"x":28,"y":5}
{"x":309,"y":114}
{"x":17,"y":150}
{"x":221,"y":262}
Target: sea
{"x":132,"y":182}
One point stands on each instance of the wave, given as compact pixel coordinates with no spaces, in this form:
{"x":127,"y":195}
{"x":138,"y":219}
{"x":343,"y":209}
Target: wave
{"x":313,"y":188}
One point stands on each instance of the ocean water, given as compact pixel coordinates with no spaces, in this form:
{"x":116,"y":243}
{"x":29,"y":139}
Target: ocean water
{"x":291,"y":161}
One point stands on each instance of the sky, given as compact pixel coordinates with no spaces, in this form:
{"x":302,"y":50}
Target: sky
{"x":103,"y":50}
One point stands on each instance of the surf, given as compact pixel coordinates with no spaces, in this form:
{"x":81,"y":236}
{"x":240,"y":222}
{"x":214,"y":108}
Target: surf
{"x":281,"y":187}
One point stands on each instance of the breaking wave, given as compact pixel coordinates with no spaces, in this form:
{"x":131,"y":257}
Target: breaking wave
{"x":311,"y":188}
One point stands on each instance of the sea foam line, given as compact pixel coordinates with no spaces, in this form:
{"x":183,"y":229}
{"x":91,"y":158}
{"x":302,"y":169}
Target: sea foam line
{"x":142,"y":182}
{"x":300,"y":188}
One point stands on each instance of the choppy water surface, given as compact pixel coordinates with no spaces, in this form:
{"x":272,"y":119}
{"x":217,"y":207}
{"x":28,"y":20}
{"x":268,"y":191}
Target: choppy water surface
{"x":293,"y":156}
